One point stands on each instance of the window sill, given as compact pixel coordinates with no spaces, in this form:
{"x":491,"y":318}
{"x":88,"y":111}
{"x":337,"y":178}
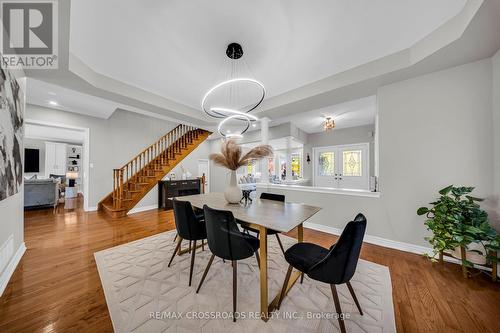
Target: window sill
{"x":313,"y":189}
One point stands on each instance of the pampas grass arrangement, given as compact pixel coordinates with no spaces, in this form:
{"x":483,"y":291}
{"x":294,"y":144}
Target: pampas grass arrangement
{"x":231,"y":157}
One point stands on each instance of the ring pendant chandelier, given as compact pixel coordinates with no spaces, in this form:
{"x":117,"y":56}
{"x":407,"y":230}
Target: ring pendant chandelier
{"x":233,"y":108}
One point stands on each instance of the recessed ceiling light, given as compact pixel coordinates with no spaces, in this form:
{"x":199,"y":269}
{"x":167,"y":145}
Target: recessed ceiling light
{"x":53,"y":103}
{"x":254,"y":125}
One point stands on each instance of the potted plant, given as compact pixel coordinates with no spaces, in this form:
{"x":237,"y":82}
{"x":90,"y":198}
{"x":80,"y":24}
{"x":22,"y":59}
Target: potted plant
{"x":231,"y":158}
{"x":458,"y":224}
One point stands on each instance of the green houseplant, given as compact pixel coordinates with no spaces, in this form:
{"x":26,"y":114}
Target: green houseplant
{"x":456,"y":220}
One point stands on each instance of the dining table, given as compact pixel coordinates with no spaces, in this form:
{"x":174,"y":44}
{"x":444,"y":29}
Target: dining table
{"x":262,"y":215}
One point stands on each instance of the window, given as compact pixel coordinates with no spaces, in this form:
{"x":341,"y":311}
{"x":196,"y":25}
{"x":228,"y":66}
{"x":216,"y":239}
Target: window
{"x":326,"y":164}
{"x":352,"y":163}
{"x":296,"y":163}
{"x":270,"y":165}
{"x":250,"y":168}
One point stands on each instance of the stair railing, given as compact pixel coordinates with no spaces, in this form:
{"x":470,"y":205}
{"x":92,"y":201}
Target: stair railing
{"x":162,"y":150}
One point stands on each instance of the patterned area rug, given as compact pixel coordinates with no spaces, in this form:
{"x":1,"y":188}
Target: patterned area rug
{"x":144,"y":295}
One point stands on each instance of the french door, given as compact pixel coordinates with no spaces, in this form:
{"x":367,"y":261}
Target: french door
{"x":346,"y":166}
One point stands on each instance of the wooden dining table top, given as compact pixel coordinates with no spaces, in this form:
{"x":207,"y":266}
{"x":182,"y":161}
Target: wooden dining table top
{"x":280,"y":216}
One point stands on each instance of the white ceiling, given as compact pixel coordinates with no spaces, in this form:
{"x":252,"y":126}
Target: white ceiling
{"x":53,"y":96}
{"x":350,"y":114}
{"x":52,"y":133}
{"x":176,"y":48}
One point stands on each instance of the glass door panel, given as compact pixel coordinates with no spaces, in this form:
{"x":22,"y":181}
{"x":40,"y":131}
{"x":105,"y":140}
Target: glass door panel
{"x":355,"y":171}
{"x":325,"y":167}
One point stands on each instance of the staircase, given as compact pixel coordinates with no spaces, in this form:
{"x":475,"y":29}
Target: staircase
{"x":136,"y":178}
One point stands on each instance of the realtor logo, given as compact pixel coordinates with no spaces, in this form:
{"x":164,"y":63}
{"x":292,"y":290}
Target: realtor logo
{"x":29,"y":38}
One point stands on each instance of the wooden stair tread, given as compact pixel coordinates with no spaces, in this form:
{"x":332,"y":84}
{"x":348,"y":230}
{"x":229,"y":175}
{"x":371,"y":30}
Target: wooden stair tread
{"x":111,"y":207}
{"x":146,"y":182}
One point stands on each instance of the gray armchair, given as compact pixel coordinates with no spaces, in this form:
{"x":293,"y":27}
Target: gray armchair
{"x":41,"y":193}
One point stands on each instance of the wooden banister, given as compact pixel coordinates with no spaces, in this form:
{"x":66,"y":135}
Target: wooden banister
{"x":164,"y":148}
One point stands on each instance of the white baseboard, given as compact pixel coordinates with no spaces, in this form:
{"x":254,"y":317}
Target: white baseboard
{"x":91,"y":209}
{"x":374,"y":239}
{"x":396,"y":245}
{"x":142,"y":209}
{"x":11,"y":267}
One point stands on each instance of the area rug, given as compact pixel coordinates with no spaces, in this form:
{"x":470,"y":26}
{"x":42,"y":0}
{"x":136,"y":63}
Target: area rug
{"x":144,"y":295}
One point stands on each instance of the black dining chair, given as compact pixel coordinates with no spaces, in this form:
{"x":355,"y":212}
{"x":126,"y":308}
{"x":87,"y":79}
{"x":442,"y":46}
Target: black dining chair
{"x":226,"y":241}
{"x":333,"y":266}
{"x":189,"y":227}
{"x":274,"y":197}
{"x":199,"y":215}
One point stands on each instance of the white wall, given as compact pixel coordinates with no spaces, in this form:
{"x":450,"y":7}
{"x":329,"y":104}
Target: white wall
{"x":496,"y":137}
{"x":434,"y":130}
{"x":12,"y":214}
{"x":190,"y":163}
{"x":219,"y":176}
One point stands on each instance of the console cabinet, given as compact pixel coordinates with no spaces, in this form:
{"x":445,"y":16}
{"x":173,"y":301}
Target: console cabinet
{"x":176,"y":188}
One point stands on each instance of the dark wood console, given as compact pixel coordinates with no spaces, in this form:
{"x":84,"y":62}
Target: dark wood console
{"x":176,"y":188}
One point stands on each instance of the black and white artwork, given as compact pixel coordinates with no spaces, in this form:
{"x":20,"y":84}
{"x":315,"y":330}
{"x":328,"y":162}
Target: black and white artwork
{"x":11,"y":134}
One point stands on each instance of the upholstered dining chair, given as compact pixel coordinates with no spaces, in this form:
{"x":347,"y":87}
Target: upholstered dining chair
{"x":226,"y":241}
{"x":333,"y":266}
{"x":189,"y":227}
{"x":199,"y":215}
{"x":274,"y":197}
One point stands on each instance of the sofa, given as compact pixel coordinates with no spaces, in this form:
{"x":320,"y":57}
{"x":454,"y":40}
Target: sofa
{"x":41,"y":193}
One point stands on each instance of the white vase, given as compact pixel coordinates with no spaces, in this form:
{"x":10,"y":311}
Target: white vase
{"x":233,"y":194}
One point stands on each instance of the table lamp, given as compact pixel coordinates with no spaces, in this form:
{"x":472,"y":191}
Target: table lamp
{"x":72,"y":176}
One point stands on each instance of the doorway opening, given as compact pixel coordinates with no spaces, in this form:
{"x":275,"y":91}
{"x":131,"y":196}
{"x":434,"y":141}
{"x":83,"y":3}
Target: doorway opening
{"x":204,"y":171}
{"x":59,"y":156}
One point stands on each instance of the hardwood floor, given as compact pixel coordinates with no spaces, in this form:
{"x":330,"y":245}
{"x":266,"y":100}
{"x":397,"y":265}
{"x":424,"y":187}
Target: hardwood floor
{"x":56,"y":287}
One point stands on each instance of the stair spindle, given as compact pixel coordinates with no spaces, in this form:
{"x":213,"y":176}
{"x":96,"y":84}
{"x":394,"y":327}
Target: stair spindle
{"x":177,"y":147}
{"x":184,"y":136}
{"x":114,"y":188}
{"x":153,"y":158}
{"x":121,"y":186}
{"x":180,"y":138}
{"x":175,"y":141}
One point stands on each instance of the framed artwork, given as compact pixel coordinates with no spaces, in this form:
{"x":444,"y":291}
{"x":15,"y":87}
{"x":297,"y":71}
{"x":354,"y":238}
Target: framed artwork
{"x":11,"y":134}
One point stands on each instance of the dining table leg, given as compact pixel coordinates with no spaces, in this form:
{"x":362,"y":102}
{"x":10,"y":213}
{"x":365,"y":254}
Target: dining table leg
{"x":291,"y":281}
{"x":300,"y":233}
{"x":264,"y":309}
